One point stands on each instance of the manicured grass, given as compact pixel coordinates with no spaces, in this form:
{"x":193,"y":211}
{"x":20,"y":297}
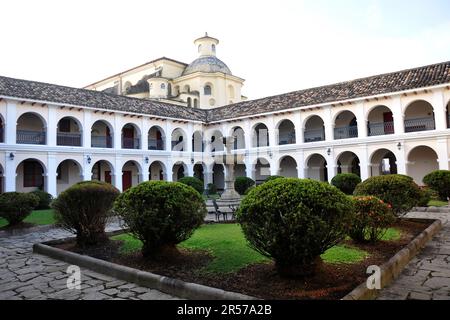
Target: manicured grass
{"x":40,"y":217}
{"x":392,"y":234}
{"x":227,"y":244}
{"x":437,"y":203}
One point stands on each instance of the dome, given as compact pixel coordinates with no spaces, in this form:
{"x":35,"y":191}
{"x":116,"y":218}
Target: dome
{"x":207,"y":64}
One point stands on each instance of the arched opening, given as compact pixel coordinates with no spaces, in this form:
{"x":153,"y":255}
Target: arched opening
{"x":68,"y":173}
{"x":199,"y":171}
{"x":207,"y":90}
{"x":316,"y":168}
{"x":348,"y":162}
{"x":262,"y":170}
{"x":30,"y":175}
{"x":288,"y":167}
{"x":130,"y":175}
{"x":156,"y":138}
{"x":2,"y":130}
{"x":31,"y":129}
{"x":219,"y":176}
{"x":345,"y":125}
{"x":260,"y":137}
{"x":179,"y":171}
{"x":314,"y":129}
{"x":189,"y":102}
{"x":101,"y":135}
{"x":419,"y":116}
{"x":130,"y":136}
{"x":186,"y":89}
{"x":2,"y":181}
{"x":217,"y":141}
{"x":238,"y":135}
{"x":178,"y":140}
{"x":157,"y":171}
{"x":286,"y":132}
{"x":421,"y":161}
{"x":69,"y":132}
{"x":102,"y":171}
{"x":380,"y":121}
{"x":447,"y":112}
{"x":383,"y":161}
{"x":195,"y":103}
{"x":198,"y":144}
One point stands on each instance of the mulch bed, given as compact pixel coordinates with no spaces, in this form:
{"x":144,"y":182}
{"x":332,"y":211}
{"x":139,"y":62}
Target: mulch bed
{"x":333,"y":281}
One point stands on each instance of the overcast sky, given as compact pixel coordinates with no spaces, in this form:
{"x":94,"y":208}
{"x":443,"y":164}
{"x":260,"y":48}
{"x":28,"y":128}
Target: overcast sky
{"x":277,"y":46}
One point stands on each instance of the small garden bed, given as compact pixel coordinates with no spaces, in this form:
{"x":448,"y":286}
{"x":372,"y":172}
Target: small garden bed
{"x":217,"y":255}
{"x":37,"y":217}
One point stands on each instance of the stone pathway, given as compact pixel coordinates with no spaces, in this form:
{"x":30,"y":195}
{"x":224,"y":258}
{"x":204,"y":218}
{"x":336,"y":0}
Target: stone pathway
{"x":427,"y":276}
{"x":24,"y":275}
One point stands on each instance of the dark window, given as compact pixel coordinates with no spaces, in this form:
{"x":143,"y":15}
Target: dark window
{"x":32,"y":174}
{"x":64,"y":125}
{"x":207,"y":90}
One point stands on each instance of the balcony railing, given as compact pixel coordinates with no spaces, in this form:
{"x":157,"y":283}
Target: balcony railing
{"x":101,"y":142}
{"x":130,"y":143}
{"x":345,"y":132}
{"x":68,"y":139}
{"x":30,"y":137}
{"x":179,"y":145}
{"x":314,"y":135}
{"x":155,"y":144}
{"x":419,"y":124}
{"x":381,"y":128}
{"x":286,"y":138}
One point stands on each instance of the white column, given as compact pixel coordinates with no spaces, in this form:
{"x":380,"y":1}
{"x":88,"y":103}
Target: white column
{"x":248,"y":168}
{"x":298,"y":123}
{"x":401,"y":160}
{"x":86,"y":173}
{"x":299,"y":158}
{"x":397,"y":114}
{"x":145,"y":174}
{"x":328,"y":123}
{"x":169,"y":171}
{"x":361,"y":120}
{"x":208,"y":175}
{"x":439,"y":108}
{"x":118,"y":136}
{"x":273,"y":133}
{"x":188,"y":142}
{"x":117,"y":175}
{"x":247,"y":134}
{"x":190,"y":170}
{"x":10,"y":172}
{"x":51,"y":175}
{"x":87,"y":128}
{"x":442,"y":150}
{"x":364,"y":163}
{"x":51,"y":126}
{"x":274,"y":168}
{"x":168,"y":143}
{"x":145,"y":127}
{"x":331,"y":165}
{"x":11,"y":124}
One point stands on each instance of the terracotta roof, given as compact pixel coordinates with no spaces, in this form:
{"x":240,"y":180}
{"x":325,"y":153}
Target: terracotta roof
{"x":40,"y":91}
{"x":380,"y":84}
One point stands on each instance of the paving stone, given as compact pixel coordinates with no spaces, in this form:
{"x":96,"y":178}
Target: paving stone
{"x":114,"y":284}
{"x":153,"y":295}
{"x":31,"y":294}
{"x":95,"y":296}
{"x":140,"y":289}
{"x":419,"y":296}
{"x":437,"y":282}
{"x":111,"y":292}
{"x":7,"y":294}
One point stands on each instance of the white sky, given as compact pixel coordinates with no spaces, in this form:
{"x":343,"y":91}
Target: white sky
{"x":277,"y":46}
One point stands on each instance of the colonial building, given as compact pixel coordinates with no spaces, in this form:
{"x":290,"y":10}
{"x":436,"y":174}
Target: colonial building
{"x":166,"y":119}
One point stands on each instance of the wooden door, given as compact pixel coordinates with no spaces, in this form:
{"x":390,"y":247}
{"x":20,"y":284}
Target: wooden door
{"x":108,"y":177}
{"x":128,"y":137}
{"x":126,"y":180}
{"x":388,"y":120}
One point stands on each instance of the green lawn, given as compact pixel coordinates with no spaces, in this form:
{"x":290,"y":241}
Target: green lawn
{"x":437,"y":203}
{"x":40,"y":217}
{"x":227,"y":244}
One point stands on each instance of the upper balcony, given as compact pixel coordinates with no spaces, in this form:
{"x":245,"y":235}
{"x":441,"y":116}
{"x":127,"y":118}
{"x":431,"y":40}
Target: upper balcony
{"x":101,"y":135}
{"x":419,"y":116}
{"x":314,"y":129}
{"x":345,"y":126}
{"x":68,"y":133}
{"x":30,"y":129}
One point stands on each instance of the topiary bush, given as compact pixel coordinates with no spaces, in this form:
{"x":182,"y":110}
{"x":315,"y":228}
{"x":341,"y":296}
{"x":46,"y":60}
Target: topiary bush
{"x":45,"y":199}
{"x":426,"y":195}
{"x":372,"y":218}
{"x":439,"y":181}
{"x":16,"y":206}
{"x":270,"y":178}
{"x":84,"y":209}
{"x":211,"y":189}
{"x":294,"y":221}
{"x":194,"y":182}
{"x":400,"y":192}
{"x":241,"y":184}
{"x":346,"y":182}
{"x":161,"y":214}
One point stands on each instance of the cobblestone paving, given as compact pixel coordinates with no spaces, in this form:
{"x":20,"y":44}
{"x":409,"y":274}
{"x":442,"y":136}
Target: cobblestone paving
{"x":24,"y":275}
{"x":427,"y":276}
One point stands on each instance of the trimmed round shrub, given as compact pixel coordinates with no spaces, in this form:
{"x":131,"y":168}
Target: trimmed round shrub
{"x":84,"y":209}
{"x":439,"y":181}
{"x":241,"y":184}
{"x":16,"y":206}
{"x":400,"y":192}
{"x":194,"y":182}
{"x":346,"y":182}
{"x":426,"y":195}
{"x":372,"y":218}
{"x":45,"y":199}
{"x":211,"y":189}
{"x":161,"y":214}
{"x":270,"y":178}
{"x":294,"y":221}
